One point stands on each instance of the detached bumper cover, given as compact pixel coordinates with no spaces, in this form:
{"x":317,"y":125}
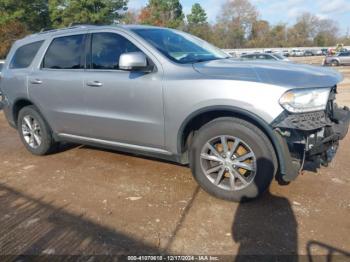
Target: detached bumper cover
{"x":334,"y":132}
{"x":316,"y":135}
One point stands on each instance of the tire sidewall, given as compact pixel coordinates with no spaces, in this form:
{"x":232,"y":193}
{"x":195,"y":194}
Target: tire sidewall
{"x":46,"y":135}
{"x":257,"y":141}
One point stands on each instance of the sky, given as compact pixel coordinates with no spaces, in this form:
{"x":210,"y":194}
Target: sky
{"x":276,"y":11}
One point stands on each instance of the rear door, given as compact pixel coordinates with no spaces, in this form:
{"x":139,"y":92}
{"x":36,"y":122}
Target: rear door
{"x":57,"y":85}
{"x":123,"y":106}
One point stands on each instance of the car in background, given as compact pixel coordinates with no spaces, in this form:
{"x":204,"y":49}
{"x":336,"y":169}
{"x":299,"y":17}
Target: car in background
{"x":265,"y":56}
{"x":297,"y":52}
{"x":342,"y":58}
{"x":324,"y":51}
{"x":308,"y":53}
{"x":317,"y":52}
{"x":285,"y":53}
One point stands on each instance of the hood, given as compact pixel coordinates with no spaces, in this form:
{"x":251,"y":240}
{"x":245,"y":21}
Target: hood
{"x":271,"y":72}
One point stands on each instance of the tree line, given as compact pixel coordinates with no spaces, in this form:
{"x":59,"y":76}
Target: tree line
{"x":238,"y":24}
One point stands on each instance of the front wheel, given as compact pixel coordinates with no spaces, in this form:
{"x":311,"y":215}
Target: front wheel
{"x":232,"y":159}
{"x":334,"y":63}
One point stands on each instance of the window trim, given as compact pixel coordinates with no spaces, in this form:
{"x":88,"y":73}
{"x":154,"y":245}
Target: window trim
{"x":31,"y":62}
{"x":82,"y":55}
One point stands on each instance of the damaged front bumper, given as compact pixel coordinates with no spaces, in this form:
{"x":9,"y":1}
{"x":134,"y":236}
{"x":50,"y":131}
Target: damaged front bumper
{"x":311,"y":137}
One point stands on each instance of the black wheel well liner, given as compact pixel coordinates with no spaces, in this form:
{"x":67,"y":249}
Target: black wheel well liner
{"x":17,"y":106}
{"x":202,"y":116}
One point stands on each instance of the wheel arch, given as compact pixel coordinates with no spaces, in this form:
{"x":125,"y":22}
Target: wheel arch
{"x":202,"y":116}
{"x":20,"y":103}
{"x":17,"y":106}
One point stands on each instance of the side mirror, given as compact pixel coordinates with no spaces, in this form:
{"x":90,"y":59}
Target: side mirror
{"x":133,"y":61}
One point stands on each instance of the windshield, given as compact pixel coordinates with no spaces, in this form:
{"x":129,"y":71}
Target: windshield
{"x":180,"y":47}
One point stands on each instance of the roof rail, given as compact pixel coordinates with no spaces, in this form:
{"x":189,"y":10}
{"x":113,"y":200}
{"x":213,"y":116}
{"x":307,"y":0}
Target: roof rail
{"x":51,"y":30}
{"x":70,"y":27}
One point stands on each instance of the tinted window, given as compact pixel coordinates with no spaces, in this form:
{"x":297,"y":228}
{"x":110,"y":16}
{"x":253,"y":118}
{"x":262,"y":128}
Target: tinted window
{"x":107,"y":48}
{"x":344,"y":54}
{"x":65,"y":53}
{"x":1,"y":65}
{"x":24,"y":55}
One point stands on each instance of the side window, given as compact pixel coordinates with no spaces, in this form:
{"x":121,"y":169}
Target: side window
{"x":106,"y":49}
{"x":65,"y":53}
{"x":24,"y":55}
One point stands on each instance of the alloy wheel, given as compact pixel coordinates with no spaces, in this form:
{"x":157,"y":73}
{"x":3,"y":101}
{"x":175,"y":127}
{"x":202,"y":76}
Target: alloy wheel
{"x":31,"y":131}
{"x":228,"y":162}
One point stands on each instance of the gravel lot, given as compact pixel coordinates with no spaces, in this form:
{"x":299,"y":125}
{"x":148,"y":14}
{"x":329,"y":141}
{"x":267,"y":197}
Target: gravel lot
{"x":88,"y":201}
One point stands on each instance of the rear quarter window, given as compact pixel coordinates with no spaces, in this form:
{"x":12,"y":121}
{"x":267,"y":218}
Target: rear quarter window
{"x":24,"y":55}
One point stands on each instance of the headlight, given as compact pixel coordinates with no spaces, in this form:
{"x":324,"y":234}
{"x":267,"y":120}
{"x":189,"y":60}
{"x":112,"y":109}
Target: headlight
{"x":305,"y":100}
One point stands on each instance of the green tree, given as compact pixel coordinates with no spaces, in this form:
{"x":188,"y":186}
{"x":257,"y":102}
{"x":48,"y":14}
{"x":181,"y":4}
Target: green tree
{"x":235,"y":23}
{"x":197,"y":23}
{"x":198,"y":16}
{"x":260,"y":35}
{"x":33,"y":14}
{"x":9,"y":33}
{"x":166,"y":13}
{"x":65,"y":12}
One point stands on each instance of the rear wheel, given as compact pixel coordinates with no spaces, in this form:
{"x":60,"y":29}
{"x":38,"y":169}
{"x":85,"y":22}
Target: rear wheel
{"x":232,"y":159}
{"x":34,"y":132}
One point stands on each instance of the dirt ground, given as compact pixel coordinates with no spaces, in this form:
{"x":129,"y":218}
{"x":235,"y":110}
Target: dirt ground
{"x":84,"y":200}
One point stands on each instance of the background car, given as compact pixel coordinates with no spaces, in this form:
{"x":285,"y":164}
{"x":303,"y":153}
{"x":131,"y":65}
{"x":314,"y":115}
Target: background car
{"x":274,"y":56}
{"x":308,"y":53}
{"x":317,"y":52}
{"x":297,"y":52}
{"x":285,"y":53}
{"x":342,"y":58}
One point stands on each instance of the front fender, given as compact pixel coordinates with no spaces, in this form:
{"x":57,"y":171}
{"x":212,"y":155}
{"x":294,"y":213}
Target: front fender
{"x":277,"y":142}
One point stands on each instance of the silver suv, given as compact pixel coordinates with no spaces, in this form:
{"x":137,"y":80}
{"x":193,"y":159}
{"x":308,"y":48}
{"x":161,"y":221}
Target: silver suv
{"x":167,"y":94}
{"x":342,"y":58}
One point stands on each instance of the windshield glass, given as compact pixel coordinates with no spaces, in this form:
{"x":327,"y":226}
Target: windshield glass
{"x":180,"y":47}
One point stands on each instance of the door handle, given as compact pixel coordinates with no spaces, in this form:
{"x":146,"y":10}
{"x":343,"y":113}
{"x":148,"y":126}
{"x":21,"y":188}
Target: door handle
{"x":94,"y":84}
{"x":36,"y":81}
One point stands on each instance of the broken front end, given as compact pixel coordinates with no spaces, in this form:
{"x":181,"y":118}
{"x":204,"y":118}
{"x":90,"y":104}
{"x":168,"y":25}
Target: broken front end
{"x":311,"y":136}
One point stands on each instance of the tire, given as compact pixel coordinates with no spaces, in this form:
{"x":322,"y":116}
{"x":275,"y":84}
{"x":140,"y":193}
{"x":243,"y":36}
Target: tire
{"x":248,"y":184}
{"x":42,"y":130}
{"x":334,"y":63}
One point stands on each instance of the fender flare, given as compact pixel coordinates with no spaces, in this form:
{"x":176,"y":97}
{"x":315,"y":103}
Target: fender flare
{"x":262,"y":124}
